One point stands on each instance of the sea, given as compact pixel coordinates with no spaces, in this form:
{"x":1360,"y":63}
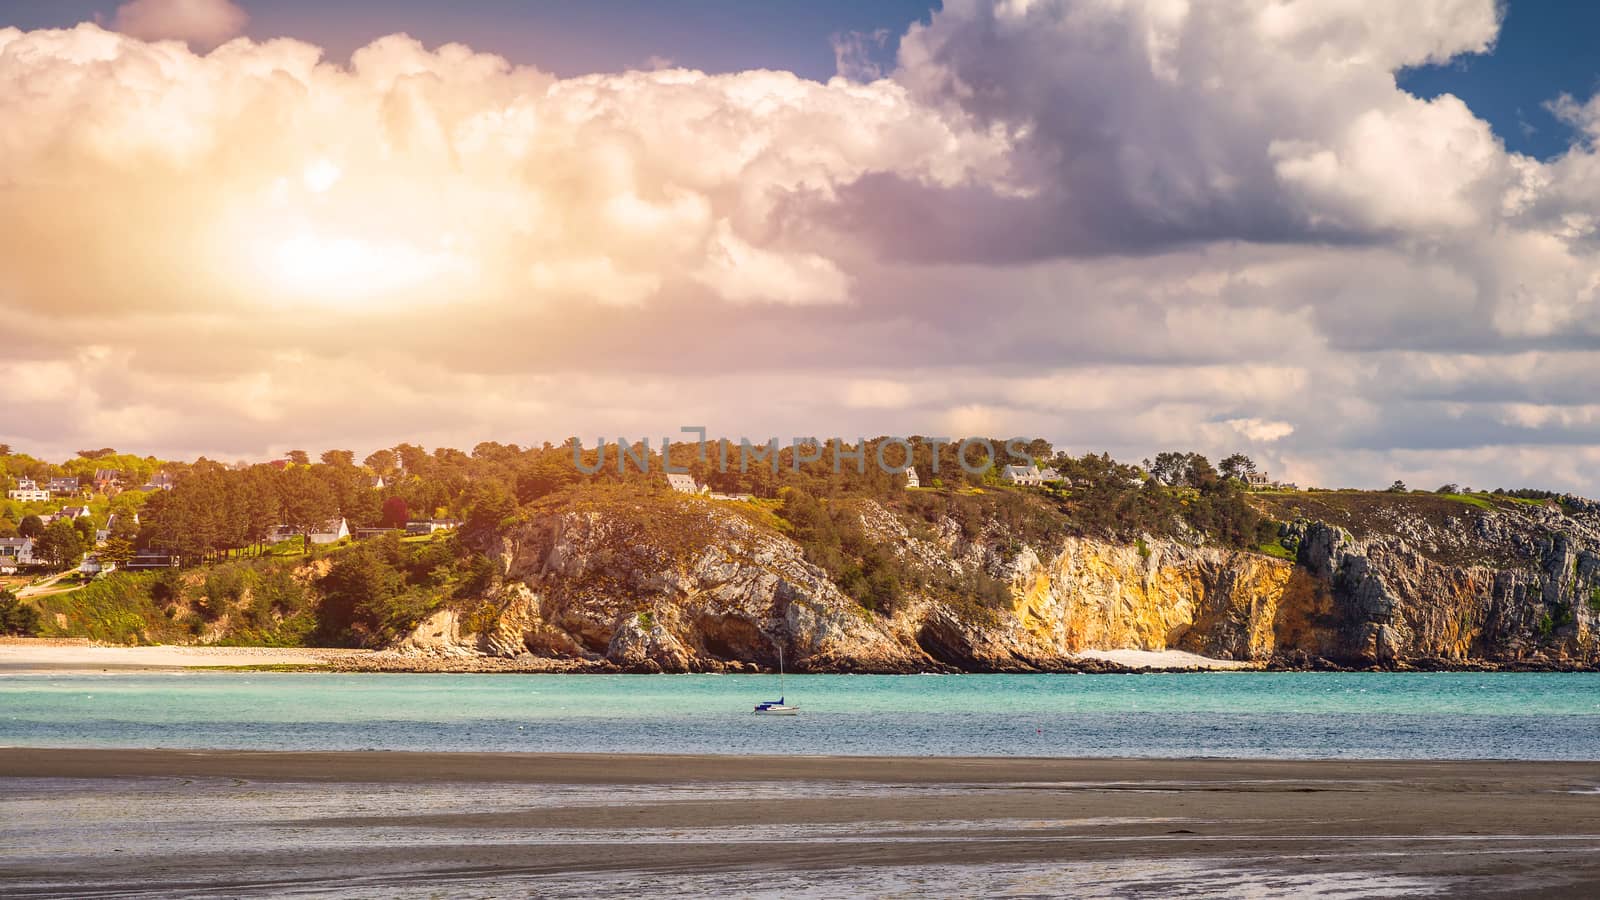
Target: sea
{"x":1269,"y":715}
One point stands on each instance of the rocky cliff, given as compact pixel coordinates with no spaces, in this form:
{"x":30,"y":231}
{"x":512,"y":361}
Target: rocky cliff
{"x":671,"y":583}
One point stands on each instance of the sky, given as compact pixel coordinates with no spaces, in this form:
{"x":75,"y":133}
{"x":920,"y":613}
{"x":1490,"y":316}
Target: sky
{"x":1356,"y":241}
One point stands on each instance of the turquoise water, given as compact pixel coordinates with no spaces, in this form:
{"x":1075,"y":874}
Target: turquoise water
{"x":1281,"y":715}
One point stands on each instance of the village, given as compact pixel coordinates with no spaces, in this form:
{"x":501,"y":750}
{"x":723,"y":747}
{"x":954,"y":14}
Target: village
{"x":97,"y":520}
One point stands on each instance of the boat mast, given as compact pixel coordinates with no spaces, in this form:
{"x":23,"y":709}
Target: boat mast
{"x":782,"y":692}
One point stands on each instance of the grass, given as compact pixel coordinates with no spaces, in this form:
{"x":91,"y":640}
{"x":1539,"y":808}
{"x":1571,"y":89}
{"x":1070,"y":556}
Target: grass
{"x":1278,"y":551}
{"x":1478,"y":500}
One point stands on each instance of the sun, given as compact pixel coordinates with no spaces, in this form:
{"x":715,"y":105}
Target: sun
{"x":321,"y":175}
{"x":338,"y":268}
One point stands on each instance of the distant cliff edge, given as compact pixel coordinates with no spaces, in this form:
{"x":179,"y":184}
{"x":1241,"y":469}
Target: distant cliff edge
{"x":1357,"y":579}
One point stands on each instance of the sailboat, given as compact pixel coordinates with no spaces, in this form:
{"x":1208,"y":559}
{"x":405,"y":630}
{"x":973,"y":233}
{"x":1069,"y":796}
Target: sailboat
{"x":777,"y":707}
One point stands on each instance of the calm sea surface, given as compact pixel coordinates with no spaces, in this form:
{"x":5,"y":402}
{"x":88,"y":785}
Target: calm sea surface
{"x":1283,"y":715}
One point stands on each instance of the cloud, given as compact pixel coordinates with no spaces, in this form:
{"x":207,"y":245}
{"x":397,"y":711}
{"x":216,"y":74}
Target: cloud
{"x":1147,"y":124}
{"x":1125,"y":225}
{"x":206,"y":23}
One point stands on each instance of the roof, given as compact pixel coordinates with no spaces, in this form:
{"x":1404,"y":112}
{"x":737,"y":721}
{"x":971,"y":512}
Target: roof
{"x":1019,"y":470}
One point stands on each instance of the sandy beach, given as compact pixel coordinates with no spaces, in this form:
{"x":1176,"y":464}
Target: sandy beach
{"x":66,"y":655}
{"x":405,"y":824}
{"x":19,"y":656}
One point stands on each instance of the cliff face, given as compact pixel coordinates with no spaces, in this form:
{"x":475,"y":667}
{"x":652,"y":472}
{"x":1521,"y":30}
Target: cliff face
{"x":689,"y":584}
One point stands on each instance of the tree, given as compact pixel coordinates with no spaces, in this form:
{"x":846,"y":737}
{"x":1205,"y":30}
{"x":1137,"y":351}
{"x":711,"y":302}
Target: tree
{"x":117,"y":551}
{"x":1237,"y":466}
{"x":488,"y":503}
{"x":306,"y":503}
{"x":60,"y":545}
{"x":31,"y":527}
{"x":8,"y":528}
{"x":17,"y":617}
{"x":1168,"y":467}
{"x":395,"y":513}
{"x":1449,"y":488}
{"x":1399,"y":487}
{"x":358,"y":589}
{"x":380,"y":461}
{"x":299,"y":457}
{"x":5,"y":449}
{"x":102,"y":453}
{"x":339,"y":458}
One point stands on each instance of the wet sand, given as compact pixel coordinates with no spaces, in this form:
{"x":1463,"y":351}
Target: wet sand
{"x":85,"y":823}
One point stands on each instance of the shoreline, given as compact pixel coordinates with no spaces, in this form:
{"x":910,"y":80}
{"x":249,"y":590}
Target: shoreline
{"x":408,"y":824}
{"x":473,"y":766}
{"x":64,"y":656}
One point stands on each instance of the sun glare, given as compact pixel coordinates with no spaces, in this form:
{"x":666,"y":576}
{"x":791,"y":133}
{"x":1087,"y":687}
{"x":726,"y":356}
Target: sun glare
{"x":338,"y":269}
{"x":321,"y":176}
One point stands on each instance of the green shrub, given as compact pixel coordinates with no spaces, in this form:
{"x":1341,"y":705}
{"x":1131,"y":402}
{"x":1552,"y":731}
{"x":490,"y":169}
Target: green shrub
{"x":17,"y":617}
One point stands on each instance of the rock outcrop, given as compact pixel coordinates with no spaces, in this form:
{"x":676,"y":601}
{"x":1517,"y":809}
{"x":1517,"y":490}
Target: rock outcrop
{"x":689,"y":584}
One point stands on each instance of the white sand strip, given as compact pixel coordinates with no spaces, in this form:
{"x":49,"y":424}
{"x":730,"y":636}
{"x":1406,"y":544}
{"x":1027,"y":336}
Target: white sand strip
{"x":1163,"y":659}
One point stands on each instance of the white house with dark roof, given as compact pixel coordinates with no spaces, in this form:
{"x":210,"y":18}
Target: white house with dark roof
{"x":683,"y":483}
{"x":15,"y":553}
{"x":1027,"y":476}
{"x":911,"y":478}
{"x":28,"y":495}
{"x":160,"y":481}
{"x":65,"y":486}
{"x":329,"y":532}
{"x":75,"y":512}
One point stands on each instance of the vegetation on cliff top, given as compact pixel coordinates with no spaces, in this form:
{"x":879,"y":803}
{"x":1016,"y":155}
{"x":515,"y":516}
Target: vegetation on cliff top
{"x":236,"y":588}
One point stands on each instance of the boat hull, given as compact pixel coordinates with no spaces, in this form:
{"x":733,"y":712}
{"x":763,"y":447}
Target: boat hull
{"x":777,"y":711}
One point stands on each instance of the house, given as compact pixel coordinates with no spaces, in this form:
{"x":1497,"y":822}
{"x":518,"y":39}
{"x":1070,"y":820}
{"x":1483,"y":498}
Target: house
{"x":160,"y":481}
{"x":911,"y":478}
{"x":1050,"y":476}
{"x":1028,"y":476}
{"x":682,"y":483}
{"x":377,"y":483}
{"x":362,"y":534}
{"x":104,"y":534}
{"x":15,"y":553}
{"x":27,"y":484}
{"x":93,"y":566}
{"x":146,"y":560}
{"x":65,"y":487}
{"x":75,"y":512}
{"x":737,"y":498}
{"x":29,"y":495}
{"x":107,"y":481}
{"x":1257,"y":480}
{"x":429,"y":526}
{"x":329,"y":532}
